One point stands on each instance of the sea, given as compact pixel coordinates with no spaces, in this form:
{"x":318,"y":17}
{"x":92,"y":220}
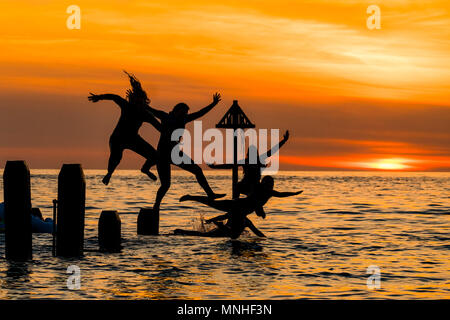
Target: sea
{"x":349,"y":235}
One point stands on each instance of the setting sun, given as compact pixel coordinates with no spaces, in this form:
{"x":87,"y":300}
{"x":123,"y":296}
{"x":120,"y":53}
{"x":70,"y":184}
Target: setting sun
{"x":386,"y":164}
{"x":390,"y":164}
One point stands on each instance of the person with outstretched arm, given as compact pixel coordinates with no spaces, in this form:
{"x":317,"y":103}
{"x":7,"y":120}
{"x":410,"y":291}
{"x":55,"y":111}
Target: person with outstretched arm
{"x":177,"y":119}
{"x":134,"y":112}
{"x":238,"y":209}
{"x":252,"y":164}
{"x":251,"y":167}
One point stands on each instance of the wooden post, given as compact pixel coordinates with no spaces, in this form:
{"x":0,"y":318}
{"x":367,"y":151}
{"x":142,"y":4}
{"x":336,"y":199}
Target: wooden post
{"x":109,"y":231}
{"x":55,"y":203}
{"x":17,"y":197}
{"x":235,"y":121}
{"x":237,"y":221}
{"x":71,"y":209}
{"x":148,"y":222}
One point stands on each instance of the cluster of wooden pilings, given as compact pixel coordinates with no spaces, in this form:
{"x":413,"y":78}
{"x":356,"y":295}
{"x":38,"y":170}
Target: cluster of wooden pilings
{"x":69,"y":215}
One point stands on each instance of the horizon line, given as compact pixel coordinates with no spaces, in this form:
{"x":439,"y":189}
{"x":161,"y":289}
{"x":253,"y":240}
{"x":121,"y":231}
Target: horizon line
{"x":285,"y":170}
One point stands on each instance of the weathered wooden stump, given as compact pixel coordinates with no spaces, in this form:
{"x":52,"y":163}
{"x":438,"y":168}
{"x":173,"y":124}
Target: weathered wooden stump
{"x":17,"y":197}
{"x":71,"y":210}
{"x":148,"y":222}
{"x":109,"y":231}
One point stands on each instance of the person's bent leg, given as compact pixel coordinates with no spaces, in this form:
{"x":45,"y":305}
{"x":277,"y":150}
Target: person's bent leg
{"x":222,"y":205}
{"x":197,"y":171}
{"x":146,"y":168}
{"x":116,"y":151}
{"x":243,"y":187}
{"x":163,"y":167}
{"x":143,"y":148}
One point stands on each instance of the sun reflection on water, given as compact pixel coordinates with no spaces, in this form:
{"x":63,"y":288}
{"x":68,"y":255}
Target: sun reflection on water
{"x":318,"y":246}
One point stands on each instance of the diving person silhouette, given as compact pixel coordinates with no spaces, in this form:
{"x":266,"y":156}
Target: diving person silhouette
{"x":251,"y":167}
{"x":237,"y":210}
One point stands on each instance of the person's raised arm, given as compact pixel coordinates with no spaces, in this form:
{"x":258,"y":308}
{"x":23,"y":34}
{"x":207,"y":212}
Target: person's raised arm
{"x":252,"y":227}
{"x":121,"y":102}
{"x":195,"y":115}
{"x":275,"y":147}
{"x":284,"y":194}
{"x":150,"y":118}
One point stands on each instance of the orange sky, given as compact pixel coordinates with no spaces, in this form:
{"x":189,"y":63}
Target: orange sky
{"x":352,"y":98}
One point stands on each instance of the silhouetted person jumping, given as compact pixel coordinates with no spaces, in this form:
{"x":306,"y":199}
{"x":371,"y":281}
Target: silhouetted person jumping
{"x":238,"y":209}
{"x":134,"y":112}
{"x":177,"y":119}
{"x":251,"y":167}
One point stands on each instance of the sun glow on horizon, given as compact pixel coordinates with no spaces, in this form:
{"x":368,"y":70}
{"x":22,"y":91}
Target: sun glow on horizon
{"x":386,"y":164}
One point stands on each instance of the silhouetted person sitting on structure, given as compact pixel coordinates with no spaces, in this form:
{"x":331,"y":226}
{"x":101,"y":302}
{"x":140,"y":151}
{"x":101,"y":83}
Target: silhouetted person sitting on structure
{"x":237,"y":210}
{"x":177,"y":119}
{"x":251,"y":167}
{"x":134,"y":112}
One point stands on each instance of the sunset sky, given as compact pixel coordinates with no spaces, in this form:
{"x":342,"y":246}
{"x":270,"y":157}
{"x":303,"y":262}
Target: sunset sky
{"x":352,"y":98}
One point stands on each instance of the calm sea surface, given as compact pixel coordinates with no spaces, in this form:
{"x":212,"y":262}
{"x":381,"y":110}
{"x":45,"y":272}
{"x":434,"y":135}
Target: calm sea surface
{"x":318,"y":244}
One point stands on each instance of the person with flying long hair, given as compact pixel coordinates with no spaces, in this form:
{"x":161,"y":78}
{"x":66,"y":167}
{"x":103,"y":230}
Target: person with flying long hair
{"x":134,"y":112}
